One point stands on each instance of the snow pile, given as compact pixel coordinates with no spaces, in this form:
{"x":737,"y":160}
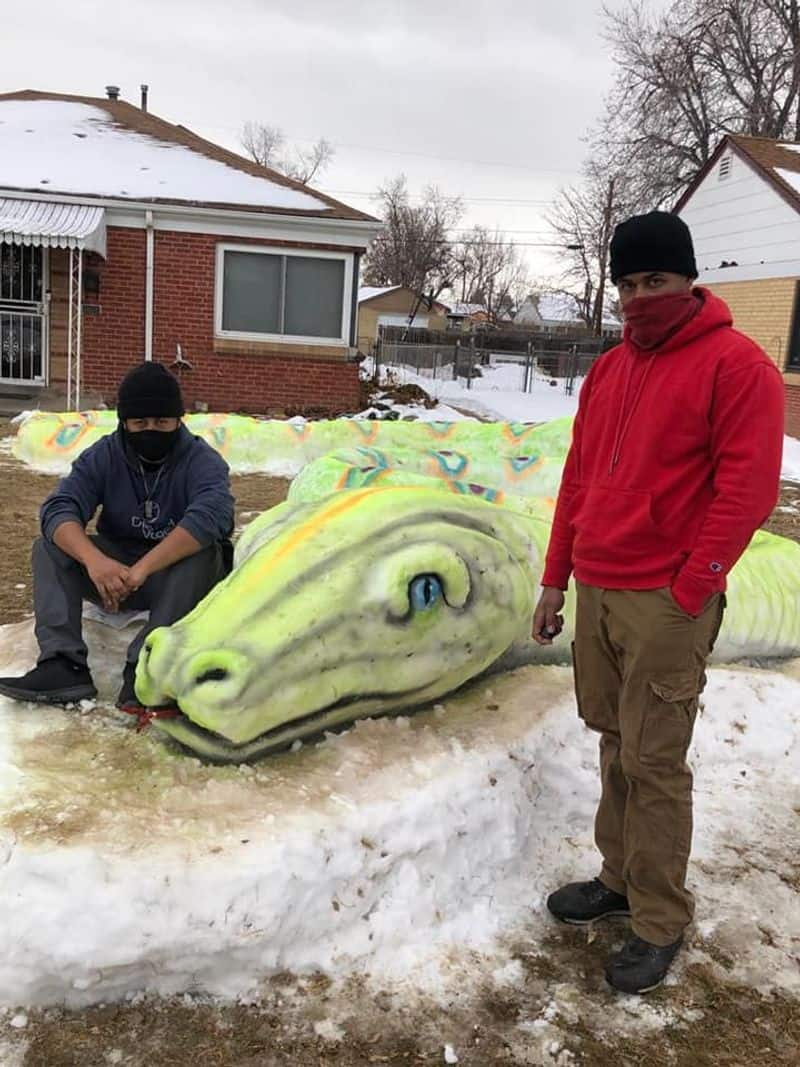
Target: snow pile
{"x":497,"y":394}
{"x":393,"y":850}
{"x":791,"y":459}
{"x":66,"y":147}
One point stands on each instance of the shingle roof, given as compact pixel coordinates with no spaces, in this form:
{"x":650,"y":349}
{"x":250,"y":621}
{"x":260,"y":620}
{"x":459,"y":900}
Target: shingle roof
{"x":126,"y":117}
{"x":768,"y":157}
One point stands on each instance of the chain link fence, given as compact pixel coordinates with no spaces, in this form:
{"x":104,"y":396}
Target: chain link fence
{"x":523,"y":361}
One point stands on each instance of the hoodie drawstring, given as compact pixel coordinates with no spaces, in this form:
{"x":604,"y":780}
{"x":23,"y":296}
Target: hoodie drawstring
{"x":624,"y":419}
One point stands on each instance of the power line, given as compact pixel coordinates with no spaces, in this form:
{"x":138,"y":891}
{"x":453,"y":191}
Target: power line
{"x":420,"y":155}
{"x":467,"y":199}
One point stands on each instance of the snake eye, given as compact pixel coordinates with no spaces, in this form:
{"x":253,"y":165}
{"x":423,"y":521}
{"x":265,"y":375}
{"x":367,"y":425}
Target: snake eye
{"x":424,"y":591}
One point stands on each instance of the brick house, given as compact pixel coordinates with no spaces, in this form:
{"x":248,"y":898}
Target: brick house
{"x":124,"y":237}
{"x":744,"y":213}
{"x":394,"y":305}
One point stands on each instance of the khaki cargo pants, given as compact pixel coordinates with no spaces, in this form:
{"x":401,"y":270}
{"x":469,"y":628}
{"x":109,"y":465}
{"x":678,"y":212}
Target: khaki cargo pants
{"x":639,"y":670}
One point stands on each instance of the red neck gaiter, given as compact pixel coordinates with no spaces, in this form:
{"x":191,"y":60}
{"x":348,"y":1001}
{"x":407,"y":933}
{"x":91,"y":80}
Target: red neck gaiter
{"x":651,"y":320}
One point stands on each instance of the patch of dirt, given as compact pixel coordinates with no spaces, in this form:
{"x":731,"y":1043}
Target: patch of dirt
{"x":704,"y":1021}
{"x":708,"y":1020}
{"x":785,"y":519}
{"x":392,"y":390}
{"x":23,"y":493}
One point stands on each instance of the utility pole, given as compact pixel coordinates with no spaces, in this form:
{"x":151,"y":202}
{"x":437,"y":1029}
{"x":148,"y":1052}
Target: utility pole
{"x":605,"y":241}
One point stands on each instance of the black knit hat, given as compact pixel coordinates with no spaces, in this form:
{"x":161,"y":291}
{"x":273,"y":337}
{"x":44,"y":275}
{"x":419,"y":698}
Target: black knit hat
{"x":652,"y":242}
{"x":149,"y":391}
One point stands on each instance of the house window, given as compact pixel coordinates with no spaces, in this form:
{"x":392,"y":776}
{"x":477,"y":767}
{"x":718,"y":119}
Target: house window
{"x":273,"y":294}
{"x":725,"y":165}
{"x":793,"y":357}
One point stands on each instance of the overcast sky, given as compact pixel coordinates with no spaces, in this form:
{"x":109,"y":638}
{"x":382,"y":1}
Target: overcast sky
{"x":488,"y":99}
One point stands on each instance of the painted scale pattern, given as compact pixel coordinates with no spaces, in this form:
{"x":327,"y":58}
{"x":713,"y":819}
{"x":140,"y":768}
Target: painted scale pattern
{"x":404,"y":562}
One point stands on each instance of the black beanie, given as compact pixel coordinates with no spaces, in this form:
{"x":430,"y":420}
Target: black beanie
{"x":652,"y":242}
{"x":149,"y":391}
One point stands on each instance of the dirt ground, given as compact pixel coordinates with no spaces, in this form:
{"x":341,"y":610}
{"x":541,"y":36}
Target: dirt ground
{"x":722,"y":1024}
{"x":24,"y":490}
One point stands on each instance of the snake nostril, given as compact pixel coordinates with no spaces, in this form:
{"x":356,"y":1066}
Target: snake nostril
{"x":218,"y":674}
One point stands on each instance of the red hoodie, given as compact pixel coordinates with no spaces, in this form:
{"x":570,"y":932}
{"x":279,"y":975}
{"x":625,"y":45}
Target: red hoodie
{"x":675,"y":462}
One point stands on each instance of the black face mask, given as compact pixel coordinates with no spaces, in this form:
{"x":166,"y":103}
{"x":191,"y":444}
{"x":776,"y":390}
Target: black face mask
{"x":153,"y":446}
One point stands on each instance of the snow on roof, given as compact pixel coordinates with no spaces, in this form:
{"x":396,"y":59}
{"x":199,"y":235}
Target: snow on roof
{"x":791,"y":177}
{"x":467,"y":309}
{"x":63,"y":145}
{"x":776,"y":161}
{"x":367,"y":292}
{"x":563,"y":308}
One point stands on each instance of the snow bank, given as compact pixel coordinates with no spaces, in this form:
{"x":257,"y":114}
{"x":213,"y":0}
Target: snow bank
{"x":497,"y":394}
{"x":791,"y":459}
{"x":387,"y":850}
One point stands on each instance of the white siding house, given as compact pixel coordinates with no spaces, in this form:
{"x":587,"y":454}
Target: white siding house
{"x":744,"y":213}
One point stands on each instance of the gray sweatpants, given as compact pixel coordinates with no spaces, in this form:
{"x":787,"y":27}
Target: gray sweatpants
{"x":61,"y":584}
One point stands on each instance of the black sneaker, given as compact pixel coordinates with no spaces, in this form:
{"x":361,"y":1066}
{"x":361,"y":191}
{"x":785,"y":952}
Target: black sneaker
{"x":583,"y":902}
{"x":54,"y":681}
{"x":639,"y":966}
{"x":127,"y":695}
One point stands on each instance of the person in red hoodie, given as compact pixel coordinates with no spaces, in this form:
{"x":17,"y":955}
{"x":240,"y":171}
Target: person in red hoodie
{"x":675,"y":463}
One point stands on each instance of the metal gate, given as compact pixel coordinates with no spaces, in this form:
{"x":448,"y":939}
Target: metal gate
{"x":23,"y":315}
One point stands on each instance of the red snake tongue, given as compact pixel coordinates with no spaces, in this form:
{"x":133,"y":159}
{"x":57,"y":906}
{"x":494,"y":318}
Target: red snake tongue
{"x":145,"y":715}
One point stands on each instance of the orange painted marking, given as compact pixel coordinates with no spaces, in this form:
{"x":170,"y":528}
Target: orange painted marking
{"x":309,"y":528}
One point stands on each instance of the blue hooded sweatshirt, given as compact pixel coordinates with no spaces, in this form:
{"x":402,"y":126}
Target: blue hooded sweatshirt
{"x":191,"y":489}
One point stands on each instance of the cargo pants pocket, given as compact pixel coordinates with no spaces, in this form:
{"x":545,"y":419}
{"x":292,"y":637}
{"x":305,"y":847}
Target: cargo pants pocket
{"x":669,"y":719}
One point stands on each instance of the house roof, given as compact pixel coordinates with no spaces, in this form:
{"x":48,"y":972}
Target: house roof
{"x":563,"y":308}
{"x":109,"y":149}
{"x":778,"y":162}
{"x":369,"y":292}
{"x":460,"y":309}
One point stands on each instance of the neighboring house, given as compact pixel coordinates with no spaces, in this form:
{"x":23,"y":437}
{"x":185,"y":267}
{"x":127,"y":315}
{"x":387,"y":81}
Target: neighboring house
{"x":463,"y":316}
{"x":124,"y":237}
{"x":744,"y":213}
{"x":394,"y":305}
{"x":559,"y":313}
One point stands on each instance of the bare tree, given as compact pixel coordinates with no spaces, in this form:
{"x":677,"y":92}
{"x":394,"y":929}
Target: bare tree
{"x":266,"y":145}
{"x":488,"y":270}
{"x":583,"y":218}
{"x":686,"y":76}
{"x":414,"y":248}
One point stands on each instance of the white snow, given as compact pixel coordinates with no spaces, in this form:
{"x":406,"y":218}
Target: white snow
{"x":396,"y":851}
{"x":496,"y":395}
{"x":558,"y":309}
{"x":791,"y":459}
{"x":791,"y":177}
{"x":367,"y":292}
{"x":58,"y":146}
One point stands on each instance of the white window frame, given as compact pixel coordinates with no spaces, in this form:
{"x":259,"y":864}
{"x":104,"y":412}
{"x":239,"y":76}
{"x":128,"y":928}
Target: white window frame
{"x":342,"y":340}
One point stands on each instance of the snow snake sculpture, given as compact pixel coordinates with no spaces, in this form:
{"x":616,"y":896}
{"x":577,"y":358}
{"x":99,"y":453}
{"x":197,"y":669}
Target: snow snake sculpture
{"x":404,"y":562}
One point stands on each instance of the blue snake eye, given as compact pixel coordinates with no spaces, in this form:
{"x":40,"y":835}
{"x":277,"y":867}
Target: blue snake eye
{"x":424,"y":591}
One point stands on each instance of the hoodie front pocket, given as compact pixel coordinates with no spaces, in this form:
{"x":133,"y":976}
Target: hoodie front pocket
{"x":612,"y":523}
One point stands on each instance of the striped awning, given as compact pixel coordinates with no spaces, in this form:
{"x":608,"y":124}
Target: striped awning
{"x":52,"y":225}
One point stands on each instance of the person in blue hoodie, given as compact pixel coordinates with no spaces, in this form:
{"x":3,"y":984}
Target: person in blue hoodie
{"x":162,"y":541}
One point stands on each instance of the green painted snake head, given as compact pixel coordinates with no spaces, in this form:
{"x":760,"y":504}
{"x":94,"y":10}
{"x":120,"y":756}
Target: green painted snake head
{"x":357,"y":604}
